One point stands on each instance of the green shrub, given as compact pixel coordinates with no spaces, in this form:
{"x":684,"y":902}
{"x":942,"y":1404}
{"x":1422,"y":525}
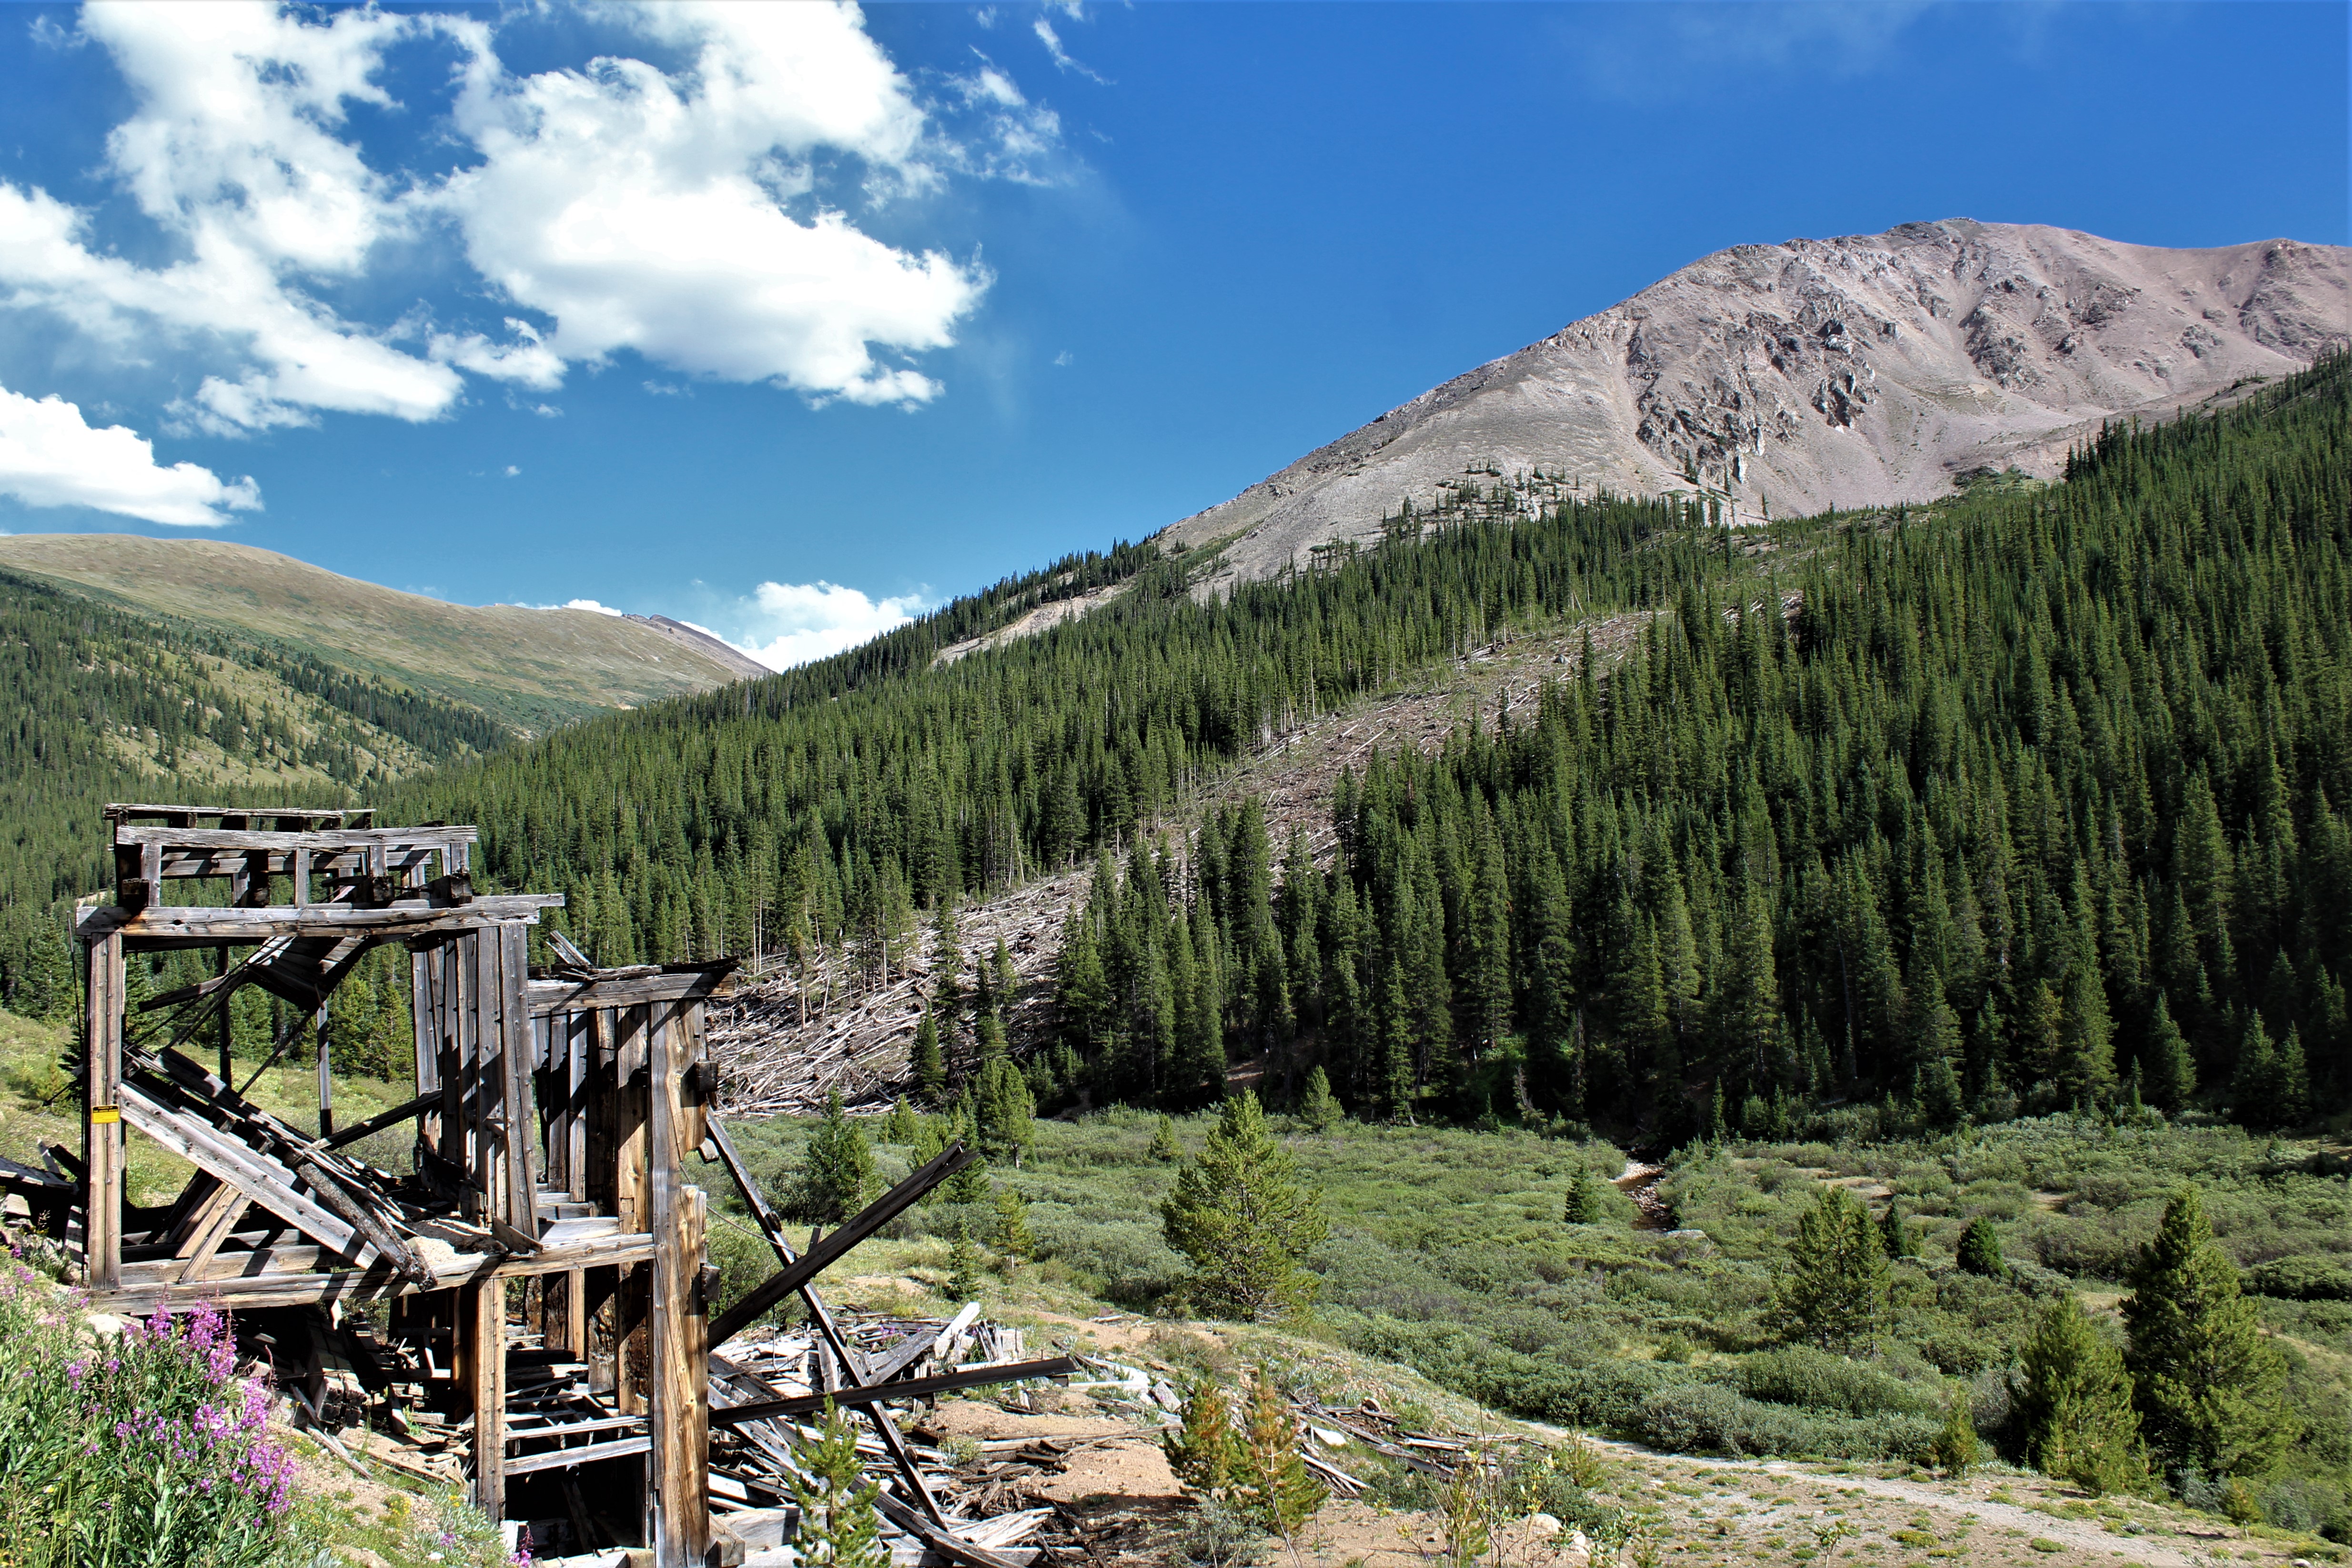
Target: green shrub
{"x":1801,"y":1375}
{"x":2302,"y":1278}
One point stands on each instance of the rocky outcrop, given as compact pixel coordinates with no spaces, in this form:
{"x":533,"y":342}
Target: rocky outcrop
{"x":1854,"y":372}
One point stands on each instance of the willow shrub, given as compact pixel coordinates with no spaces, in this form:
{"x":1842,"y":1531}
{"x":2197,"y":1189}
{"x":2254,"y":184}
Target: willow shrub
{"x":144,"y":1448}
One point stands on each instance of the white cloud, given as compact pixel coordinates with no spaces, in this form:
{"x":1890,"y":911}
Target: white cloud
{"x":1066,"y":358}
{"x":512,"y":471}
{"x":682,"y":214}
{"x":591,"y":604}
{"x":234,"y":153}
{"x":50,"y":456}
{"x":786,"y":623}
{"x":1052,"y":42}
{"x":647,"y":212}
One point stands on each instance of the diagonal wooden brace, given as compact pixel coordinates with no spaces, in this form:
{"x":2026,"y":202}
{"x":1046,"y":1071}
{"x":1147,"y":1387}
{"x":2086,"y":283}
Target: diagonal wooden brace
{"x":825,"y":1253}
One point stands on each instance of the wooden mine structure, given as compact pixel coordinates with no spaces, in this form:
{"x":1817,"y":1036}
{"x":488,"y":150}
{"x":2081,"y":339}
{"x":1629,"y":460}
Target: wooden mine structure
{"x":553,"y":1114}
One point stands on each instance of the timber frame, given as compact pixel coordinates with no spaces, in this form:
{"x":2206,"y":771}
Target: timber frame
{"x":554,"y":1112}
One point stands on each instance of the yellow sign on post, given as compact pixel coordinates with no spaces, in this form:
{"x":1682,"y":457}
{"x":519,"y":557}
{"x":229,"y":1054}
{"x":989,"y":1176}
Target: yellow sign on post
{"x":100,"y":1114}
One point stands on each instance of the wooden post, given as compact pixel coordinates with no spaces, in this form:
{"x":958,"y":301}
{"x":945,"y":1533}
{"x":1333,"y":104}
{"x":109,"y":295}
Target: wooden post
{"x":326,"y":1076}
{"x":101,"y":1202}
{"x":679,"y":1417}
{"x":483,"y":1331}
{"x":227,"y":1020}
{"x":517,"y":1128}
{"x":633,"y":1198}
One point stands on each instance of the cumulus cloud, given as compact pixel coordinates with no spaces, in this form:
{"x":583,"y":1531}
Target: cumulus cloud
{"x":591,"y":604}
{"x":50,"y":456}
{"x":684,"y":214}
{"x":647,"y":212}
{"x":787,"y":624}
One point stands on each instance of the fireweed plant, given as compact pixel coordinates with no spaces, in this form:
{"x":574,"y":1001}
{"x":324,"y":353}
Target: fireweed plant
{"x":144,"y":1449}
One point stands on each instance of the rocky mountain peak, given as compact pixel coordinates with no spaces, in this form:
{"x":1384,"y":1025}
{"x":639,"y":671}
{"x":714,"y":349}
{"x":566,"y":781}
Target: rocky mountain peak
{"x":1851,"y":372}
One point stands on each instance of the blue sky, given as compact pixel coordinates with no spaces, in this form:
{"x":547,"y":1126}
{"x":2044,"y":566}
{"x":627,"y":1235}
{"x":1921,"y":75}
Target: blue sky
{"x":791,"y":319}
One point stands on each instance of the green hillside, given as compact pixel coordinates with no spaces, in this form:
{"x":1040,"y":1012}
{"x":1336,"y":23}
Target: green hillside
{"x":2013,"y":803}
{"x":532,"y":671}
{"x":105,"y":704}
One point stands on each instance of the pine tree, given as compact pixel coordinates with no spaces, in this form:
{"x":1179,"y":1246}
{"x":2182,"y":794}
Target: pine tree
{"x":1011,"y":1238}
{"x":1164,"y":1143}
{"x":2169,"y":1075}
{"x":2258,"y":1088}
{"x":1005,"y":1111}
{"x":837,"y":1173}
{"x":1834,"y":1291}
{"x":1204,"y":1451}
{"x":1895,"y":1234}
{"x":1241,"y":1216}
{"x":2212,"y":1390}
{"x":1271,"y":1483}
{"x":2076,"y":1405}
{"x":1317,"y":1111}
{"x":1583,"y":1205}
{"x":1940,"y":1101}
{"x":1979,"y":1250}
{"x":1956,"y":1449}
{"x":902,"y":1126}
{"x":839,"y":1527}
{"x":963,"y":1263}
{"x":929,"y":1067}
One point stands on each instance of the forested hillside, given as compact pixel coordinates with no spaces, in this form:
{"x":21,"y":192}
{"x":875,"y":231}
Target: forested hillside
{"x":108,"y":705}
{"x":2019,"y":801}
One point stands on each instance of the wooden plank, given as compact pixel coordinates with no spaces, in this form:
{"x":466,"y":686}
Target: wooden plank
{"x":548,"y":996}
{"x":260,"y":1178}
{"x":259,"y":1263}
{"x":159,"y":926}
{"x":383,"y":1118}
{"x":824,"y":1254}
{"x":944,"y":1542}
{"x":633,"y":1199}
{"x":121,"y":811}
{"x":287,"y":843}
{"x":103,"y":1133}
{"x":579,"y":1043}
{"x":905,"y":1388}
{"x":912,"y":1349}
{"x":483,"y":1310}
{"x":220,"y":1213}
{"x":519,"y":1128}
{"x":679,"y":1403}
{"x":469,"y":1139}
{"x":586,"y":1453}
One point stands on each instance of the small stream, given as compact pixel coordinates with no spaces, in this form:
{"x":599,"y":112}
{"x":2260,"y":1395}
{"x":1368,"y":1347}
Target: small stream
{"x":1639,"y":1183}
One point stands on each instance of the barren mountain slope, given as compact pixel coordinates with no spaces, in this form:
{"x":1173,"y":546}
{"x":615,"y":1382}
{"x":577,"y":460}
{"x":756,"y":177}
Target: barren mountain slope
{"x":529,"y":669}
{"x":1851,"y":372}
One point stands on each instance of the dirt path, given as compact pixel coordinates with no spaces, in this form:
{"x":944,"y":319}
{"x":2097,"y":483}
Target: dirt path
{"x":1968,"y":1505}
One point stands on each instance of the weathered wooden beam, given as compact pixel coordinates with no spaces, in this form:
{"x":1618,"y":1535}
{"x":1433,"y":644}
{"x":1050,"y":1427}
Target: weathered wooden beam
{"x":586,"y":1453}
{"x":483,"y":1319}
{"x":159,"y":927}
{"x":678,"y":1402}
{"x":940,"y":1539}
{"x":122,"y":811}
{"x":383,"y":1118}
{"x":852,"y":1365}
{"x":332,"y":839}
{"x":261,"y":1178}
{"x":905,"y":1388}
{"x":518,"y":1132}
{"x":102,"y":1147}
{"x":825,"y":1253}
{"x":633,"y":1196}
{"x":548,"y":996}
